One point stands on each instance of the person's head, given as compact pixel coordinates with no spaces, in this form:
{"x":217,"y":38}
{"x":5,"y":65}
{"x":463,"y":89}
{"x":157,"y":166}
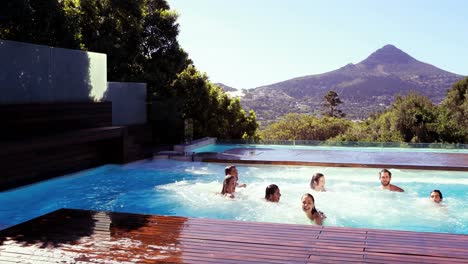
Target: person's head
{"x":231,"y":170}
{"x":385,"y":177}
{"x":308,"y":203}
{"x":272,"y":193}
{"x":436,"y":196}
{"x":318,"y":181}
{"x":229,"y":184}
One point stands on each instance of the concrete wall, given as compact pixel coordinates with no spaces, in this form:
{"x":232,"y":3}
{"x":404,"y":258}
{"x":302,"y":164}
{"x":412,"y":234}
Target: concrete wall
{"x":40,"y":74}
{"x":128,"y":102}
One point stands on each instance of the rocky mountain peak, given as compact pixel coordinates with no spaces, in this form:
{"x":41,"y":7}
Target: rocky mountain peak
{"x":388,"y":54}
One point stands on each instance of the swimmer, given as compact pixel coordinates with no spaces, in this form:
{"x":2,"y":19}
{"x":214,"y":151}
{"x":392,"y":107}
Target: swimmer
{"x":317,"y":183}
{"x":436,"y":196}
{"x":229,"y":186}
{"x":232,"y":170}
{"x":272,"y":193}
{"x":308,"y":206}
{"x":385,"y":177}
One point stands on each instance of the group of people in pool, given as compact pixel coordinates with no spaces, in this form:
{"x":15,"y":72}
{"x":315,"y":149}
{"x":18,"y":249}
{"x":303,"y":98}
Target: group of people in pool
{"x":317,"y":183}
{"x":385,"y":177}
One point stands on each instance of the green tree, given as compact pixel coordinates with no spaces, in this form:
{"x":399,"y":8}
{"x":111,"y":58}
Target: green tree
{"x":305,"y":127}
{"x":410,"y":119}
{"x":452,"y":124}
{"x":414,"y":117}
{"x":331,"y":103}
{"x":212,"y":111}
{"x":140,"y":38}
{"x":45,"y":22}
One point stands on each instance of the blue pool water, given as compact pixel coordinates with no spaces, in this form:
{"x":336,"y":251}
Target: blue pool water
{"x":169,"y":187}
{"x":224,"y":147}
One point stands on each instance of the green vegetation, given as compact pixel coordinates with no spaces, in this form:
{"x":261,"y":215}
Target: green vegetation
{"x":140,"y":40}
{"x":305,"y":127}
{"x":331,"y":103}
{"x":212,"y":111}
{"x":412,"y":118}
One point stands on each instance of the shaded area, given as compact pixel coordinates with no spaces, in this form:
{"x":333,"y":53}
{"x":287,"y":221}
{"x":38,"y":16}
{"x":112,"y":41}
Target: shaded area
{"x":166,"y":119}
{"x":40,"y":141}
{"x":81,"y":235}
{"x":342,"y":158}
{"x":34,"y":73}
{"x":51,"y":230}
{"x":77,"y":235}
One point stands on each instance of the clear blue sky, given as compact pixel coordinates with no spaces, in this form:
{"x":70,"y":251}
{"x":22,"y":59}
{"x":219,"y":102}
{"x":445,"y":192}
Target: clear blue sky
{"x":249,"y":43}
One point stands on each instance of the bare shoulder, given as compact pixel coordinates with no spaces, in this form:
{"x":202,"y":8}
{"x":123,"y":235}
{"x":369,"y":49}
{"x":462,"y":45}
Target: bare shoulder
{"x":318,"y":218}
{"x":396,"y":188}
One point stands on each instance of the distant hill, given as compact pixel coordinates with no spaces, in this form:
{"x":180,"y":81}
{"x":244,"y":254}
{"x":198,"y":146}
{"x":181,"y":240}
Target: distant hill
{"x":366,"y":87}
{"x":226,"y":88}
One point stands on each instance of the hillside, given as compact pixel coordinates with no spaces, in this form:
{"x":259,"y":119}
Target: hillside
{"x":366,"y":87}
{"x":226,"y":88}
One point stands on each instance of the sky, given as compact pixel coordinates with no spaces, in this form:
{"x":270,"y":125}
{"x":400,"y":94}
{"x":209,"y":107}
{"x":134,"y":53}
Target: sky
{"x":250,"y":43}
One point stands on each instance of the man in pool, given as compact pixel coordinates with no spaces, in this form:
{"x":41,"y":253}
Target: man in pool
{"x":232,"y":170}
{"x":436,"y":196}
{"x":272,"y":193}
{"x":385,"y":177}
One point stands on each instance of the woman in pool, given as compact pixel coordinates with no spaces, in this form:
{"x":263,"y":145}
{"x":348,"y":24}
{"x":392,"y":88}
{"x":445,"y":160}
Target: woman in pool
{"x":317,"y":183}
{"x":436,"y":196}
{"x":272,"y":193}
{"x":308,"y":206}
{"x":229,"y":186}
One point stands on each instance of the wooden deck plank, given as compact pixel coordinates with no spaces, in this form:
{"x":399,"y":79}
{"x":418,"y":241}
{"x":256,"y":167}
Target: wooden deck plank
{"x":84,"y":236}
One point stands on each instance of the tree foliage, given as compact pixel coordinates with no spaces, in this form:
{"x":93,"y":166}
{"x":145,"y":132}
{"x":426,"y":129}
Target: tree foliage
{"x":412,"y":118}
{"x":47,"y":22}
{"x":305,"y":127}
{"x":140,"y":40}
{"x":452,"y":123}
{"x":212,"y":111}
{"x":331,"y":103}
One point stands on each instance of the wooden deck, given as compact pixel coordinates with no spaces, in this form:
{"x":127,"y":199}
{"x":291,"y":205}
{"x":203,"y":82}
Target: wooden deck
{"x":78,"y":236}
{"x":342,"y":158}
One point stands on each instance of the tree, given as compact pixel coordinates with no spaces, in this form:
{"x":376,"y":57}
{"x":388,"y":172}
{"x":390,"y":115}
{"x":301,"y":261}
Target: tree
{"x":212,"y":111}
{"x":44,"y":22}
{"x":331,"y":105}
{"x":452,"y":124}
{"x":305,"y":127}
{"x":140,"y":40}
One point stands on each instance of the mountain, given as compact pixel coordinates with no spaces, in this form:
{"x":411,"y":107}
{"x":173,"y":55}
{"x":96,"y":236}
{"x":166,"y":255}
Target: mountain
{"x":226,"y":88}
{"x":366,"y":87}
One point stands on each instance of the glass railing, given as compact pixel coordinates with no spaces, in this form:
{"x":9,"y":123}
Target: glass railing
{"x":358,"y":144}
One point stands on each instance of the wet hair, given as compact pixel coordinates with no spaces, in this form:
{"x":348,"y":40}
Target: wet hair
{"x":439,"y":192}
{"x":315,"y":178}
{"x":227,"y":170}
{"x":385,"y":170}
{"x":314,"y":210}
{"x":270,"y":190}
{"x":226,"y":182}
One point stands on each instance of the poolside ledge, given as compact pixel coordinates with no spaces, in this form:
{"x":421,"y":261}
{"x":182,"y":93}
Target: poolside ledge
{"x":184,"y":148}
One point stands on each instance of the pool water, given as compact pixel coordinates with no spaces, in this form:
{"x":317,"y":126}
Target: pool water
{"x":169,"y":187}
{"x":225,"y":147}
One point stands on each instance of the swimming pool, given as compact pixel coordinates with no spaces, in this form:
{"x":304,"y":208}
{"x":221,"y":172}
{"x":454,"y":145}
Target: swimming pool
{"x":170,"y":187}
{"x":222,"y":147}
